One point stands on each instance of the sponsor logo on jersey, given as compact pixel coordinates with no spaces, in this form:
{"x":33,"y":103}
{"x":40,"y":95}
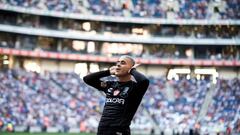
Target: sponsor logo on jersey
{"x":115,"y":100}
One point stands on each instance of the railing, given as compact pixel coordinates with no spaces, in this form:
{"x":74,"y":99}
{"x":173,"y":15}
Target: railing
{"x":101,"y":58}
{"x":125,"y":38}
{"x":117,"y":19}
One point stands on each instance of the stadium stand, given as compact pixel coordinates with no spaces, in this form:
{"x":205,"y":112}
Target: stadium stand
{"x":182,"y":111}
{"x":42,"y":40}
{"x":29,"y":99}
{"x":180,"y":9}
{"x":225,"y":103}
{"x":32,"y":100}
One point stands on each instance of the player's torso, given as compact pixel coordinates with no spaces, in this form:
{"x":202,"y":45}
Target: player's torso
{"x":117,"y":103}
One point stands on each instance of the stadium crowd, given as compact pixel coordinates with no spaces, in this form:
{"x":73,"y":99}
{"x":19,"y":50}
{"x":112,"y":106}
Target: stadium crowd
{"x":59,"y":100}
{"x":63,"y":101}
{"x":225,"y":104}
{"x":179,"y":9}
{"x":179,"y":112}
{"x":29,"y":99}
{"x":119,"y":29}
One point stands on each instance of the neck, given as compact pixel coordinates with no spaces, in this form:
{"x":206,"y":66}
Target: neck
{"x":124,"y":78}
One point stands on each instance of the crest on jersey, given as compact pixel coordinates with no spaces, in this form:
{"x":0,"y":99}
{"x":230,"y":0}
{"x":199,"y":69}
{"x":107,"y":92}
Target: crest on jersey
{"x":116,"y":92}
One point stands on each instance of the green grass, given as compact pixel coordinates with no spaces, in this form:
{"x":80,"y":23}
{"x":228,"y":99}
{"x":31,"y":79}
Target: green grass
{"x":5,"y":133}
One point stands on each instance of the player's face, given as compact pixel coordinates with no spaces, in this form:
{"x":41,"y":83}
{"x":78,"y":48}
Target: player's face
{"x":124,"y":64}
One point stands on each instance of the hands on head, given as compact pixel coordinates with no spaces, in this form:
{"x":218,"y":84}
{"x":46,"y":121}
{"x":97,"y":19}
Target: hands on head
{"x":134,"y":66}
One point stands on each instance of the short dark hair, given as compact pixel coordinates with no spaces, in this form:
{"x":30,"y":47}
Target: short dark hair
{"x":130,"y":58}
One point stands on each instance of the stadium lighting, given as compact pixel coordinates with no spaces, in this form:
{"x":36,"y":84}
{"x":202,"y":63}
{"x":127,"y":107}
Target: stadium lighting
{"x":182,"y":70}
{"x":5,"y":57}
{"x":208,"y":71}
{"x":205,"y":71}
{"x":198,"y":76}
{"x":145,"y":33}
{"x":176,"y":77}
{"x":81,"y":69}
{"x":6,"y":62}
{"x":173,"y":73}
{"x":78,"y":45}
{"x":32,"y":66}
{"x":189,"y":53}
{"x":90,"y":47}
{"x":94,"y":67}
{"x":86,"y":26}
{"x":93,"y":32}
{"x":170,"y":74}
{"x":138,"y":31}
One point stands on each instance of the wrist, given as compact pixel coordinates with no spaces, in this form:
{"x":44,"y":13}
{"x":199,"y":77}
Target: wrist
{"x":111,"y":72}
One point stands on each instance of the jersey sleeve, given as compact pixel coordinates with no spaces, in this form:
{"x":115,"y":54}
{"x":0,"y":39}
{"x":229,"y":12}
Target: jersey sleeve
{"x":93,"y":80}
{"x":142,"y":82}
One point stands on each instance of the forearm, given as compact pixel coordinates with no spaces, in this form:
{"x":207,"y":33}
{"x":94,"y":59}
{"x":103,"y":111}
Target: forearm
{"x":93,"y":79}
{"x":142,"y":82}
{"x":138,"y":76}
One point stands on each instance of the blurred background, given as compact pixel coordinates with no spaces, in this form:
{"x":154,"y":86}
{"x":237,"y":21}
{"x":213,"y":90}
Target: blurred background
{"x":189,"y":49}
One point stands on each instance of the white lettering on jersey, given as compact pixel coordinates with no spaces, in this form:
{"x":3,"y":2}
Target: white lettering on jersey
{"x":115,"y":100}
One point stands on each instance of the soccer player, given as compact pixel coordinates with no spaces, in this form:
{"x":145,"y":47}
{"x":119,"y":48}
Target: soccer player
{"x":122,"y":97}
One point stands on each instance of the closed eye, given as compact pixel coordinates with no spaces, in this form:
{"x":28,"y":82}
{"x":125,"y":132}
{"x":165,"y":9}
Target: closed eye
{"x":121,"y":62}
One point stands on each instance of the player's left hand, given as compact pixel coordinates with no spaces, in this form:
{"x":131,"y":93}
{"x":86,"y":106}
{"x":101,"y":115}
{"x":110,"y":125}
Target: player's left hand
{"x":112,"y":70}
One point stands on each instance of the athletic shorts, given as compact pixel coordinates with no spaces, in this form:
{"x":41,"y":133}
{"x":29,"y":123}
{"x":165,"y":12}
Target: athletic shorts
{"x":114,"y":131}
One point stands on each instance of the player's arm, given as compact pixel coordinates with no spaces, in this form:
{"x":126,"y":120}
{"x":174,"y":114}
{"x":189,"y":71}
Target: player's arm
{"x":93,"y":79}
{"x":142,"y":80}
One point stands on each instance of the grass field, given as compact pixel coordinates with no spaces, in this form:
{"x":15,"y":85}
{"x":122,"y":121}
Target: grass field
{"x":5,"y":133}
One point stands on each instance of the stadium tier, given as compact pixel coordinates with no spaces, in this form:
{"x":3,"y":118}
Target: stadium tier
{"x":189,"y":50}
{"x":179,"y":9}
{"x":61,"y":101}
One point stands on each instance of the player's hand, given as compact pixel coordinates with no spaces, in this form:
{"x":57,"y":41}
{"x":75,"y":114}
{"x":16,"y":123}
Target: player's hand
{"x":134,"y":67}
{"x":112,"y":70}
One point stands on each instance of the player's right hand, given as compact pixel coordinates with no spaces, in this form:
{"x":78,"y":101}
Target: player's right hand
{"x":112,"y":70}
